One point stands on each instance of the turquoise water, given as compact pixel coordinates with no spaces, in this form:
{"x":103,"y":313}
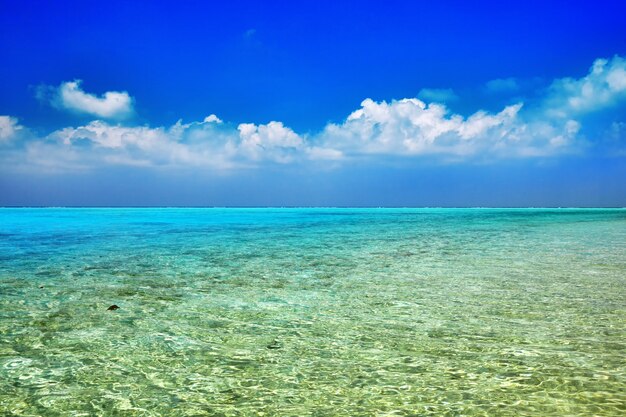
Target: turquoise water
{"x":312,"y":312}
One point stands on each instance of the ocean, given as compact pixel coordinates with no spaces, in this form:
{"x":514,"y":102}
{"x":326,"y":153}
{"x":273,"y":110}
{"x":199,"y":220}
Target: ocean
{"x":312,"y":312}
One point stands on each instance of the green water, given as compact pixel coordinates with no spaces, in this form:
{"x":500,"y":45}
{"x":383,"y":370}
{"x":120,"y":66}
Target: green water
{"x":312,"y":312}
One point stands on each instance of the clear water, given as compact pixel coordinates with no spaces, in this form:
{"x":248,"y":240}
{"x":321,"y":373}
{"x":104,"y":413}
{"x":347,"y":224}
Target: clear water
{"x":312,"y":312}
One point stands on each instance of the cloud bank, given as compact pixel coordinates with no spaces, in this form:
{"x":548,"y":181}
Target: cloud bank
{"x":558,"y":122}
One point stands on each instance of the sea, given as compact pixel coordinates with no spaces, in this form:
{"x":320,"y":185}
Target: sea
{"x":312,"y":312}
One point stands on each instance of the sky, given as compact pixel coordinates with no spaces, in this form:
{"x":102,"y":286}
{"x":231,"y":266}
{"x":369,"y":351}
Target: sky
{"x":312,"y":103}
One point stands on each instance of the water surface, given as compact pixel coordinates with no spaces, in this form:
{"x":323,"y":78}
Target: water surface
{"x":312,"y":312}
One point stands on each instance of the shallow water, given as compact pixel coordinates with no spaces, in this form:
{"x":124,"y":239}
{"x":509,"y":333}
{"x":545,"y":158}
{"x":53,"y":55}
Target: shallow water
{"x":312,"y":312}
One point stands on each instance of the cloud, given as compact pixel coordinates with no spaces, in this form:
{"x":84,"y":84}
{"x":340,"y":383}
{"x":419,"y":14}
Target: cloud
{"x":321,"y":153}
{"x":554,"y":123}
{"x":193,"y":144}
{"x":206,"y":144}
{"x":437,"y":95}
{"x":603,"y":87}
{"x":502,"y":85}
{"x":412,"y":127}
{"x":272,"y":141}
{"x":70,"y":96}
{"x":9,"y":128}
{"x":212,"y":119}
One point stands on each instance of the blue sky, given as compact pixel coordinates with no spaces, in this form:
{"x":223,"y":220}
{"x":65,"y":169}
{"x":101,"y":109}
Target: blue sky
{"x":313,"y":103}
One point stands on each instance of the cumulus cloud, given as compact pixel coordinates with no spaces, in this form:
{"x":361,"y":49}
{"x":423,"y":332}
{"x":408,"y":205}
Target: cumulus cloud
{"x":8,"y":128}
{"x":207,"y":144}
{"x":271,"y":141}
{"x":70,"y":96}
{"x":554,"y":124}
{"x":193,"y":144}
{"x":412,"y":127}
{"x":212,"y":119}
{"x":604,"y":86}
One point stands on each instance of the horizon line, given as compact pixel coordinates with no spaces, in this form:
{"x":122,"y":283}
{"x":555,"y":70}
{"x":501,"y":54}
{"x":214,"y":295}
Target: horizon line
{"x":300,"y":207}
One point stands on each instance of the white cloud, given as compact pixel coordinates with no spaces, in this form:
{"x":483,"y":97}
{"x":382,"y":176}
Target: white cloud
{"x":437,"y":95}
{"x":212,"y":119}
{"x":70,"y":96}
{"x":193,"y":144}
{"x":412,"y":127}
{"x":550,"y":125}
{"x":604,"y":86}
{"x":320,"y":153}
{"x":104,"y":135}
{"x":210,"y":145}
{"x":8,"y":128}
{"x":271,"y":141}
